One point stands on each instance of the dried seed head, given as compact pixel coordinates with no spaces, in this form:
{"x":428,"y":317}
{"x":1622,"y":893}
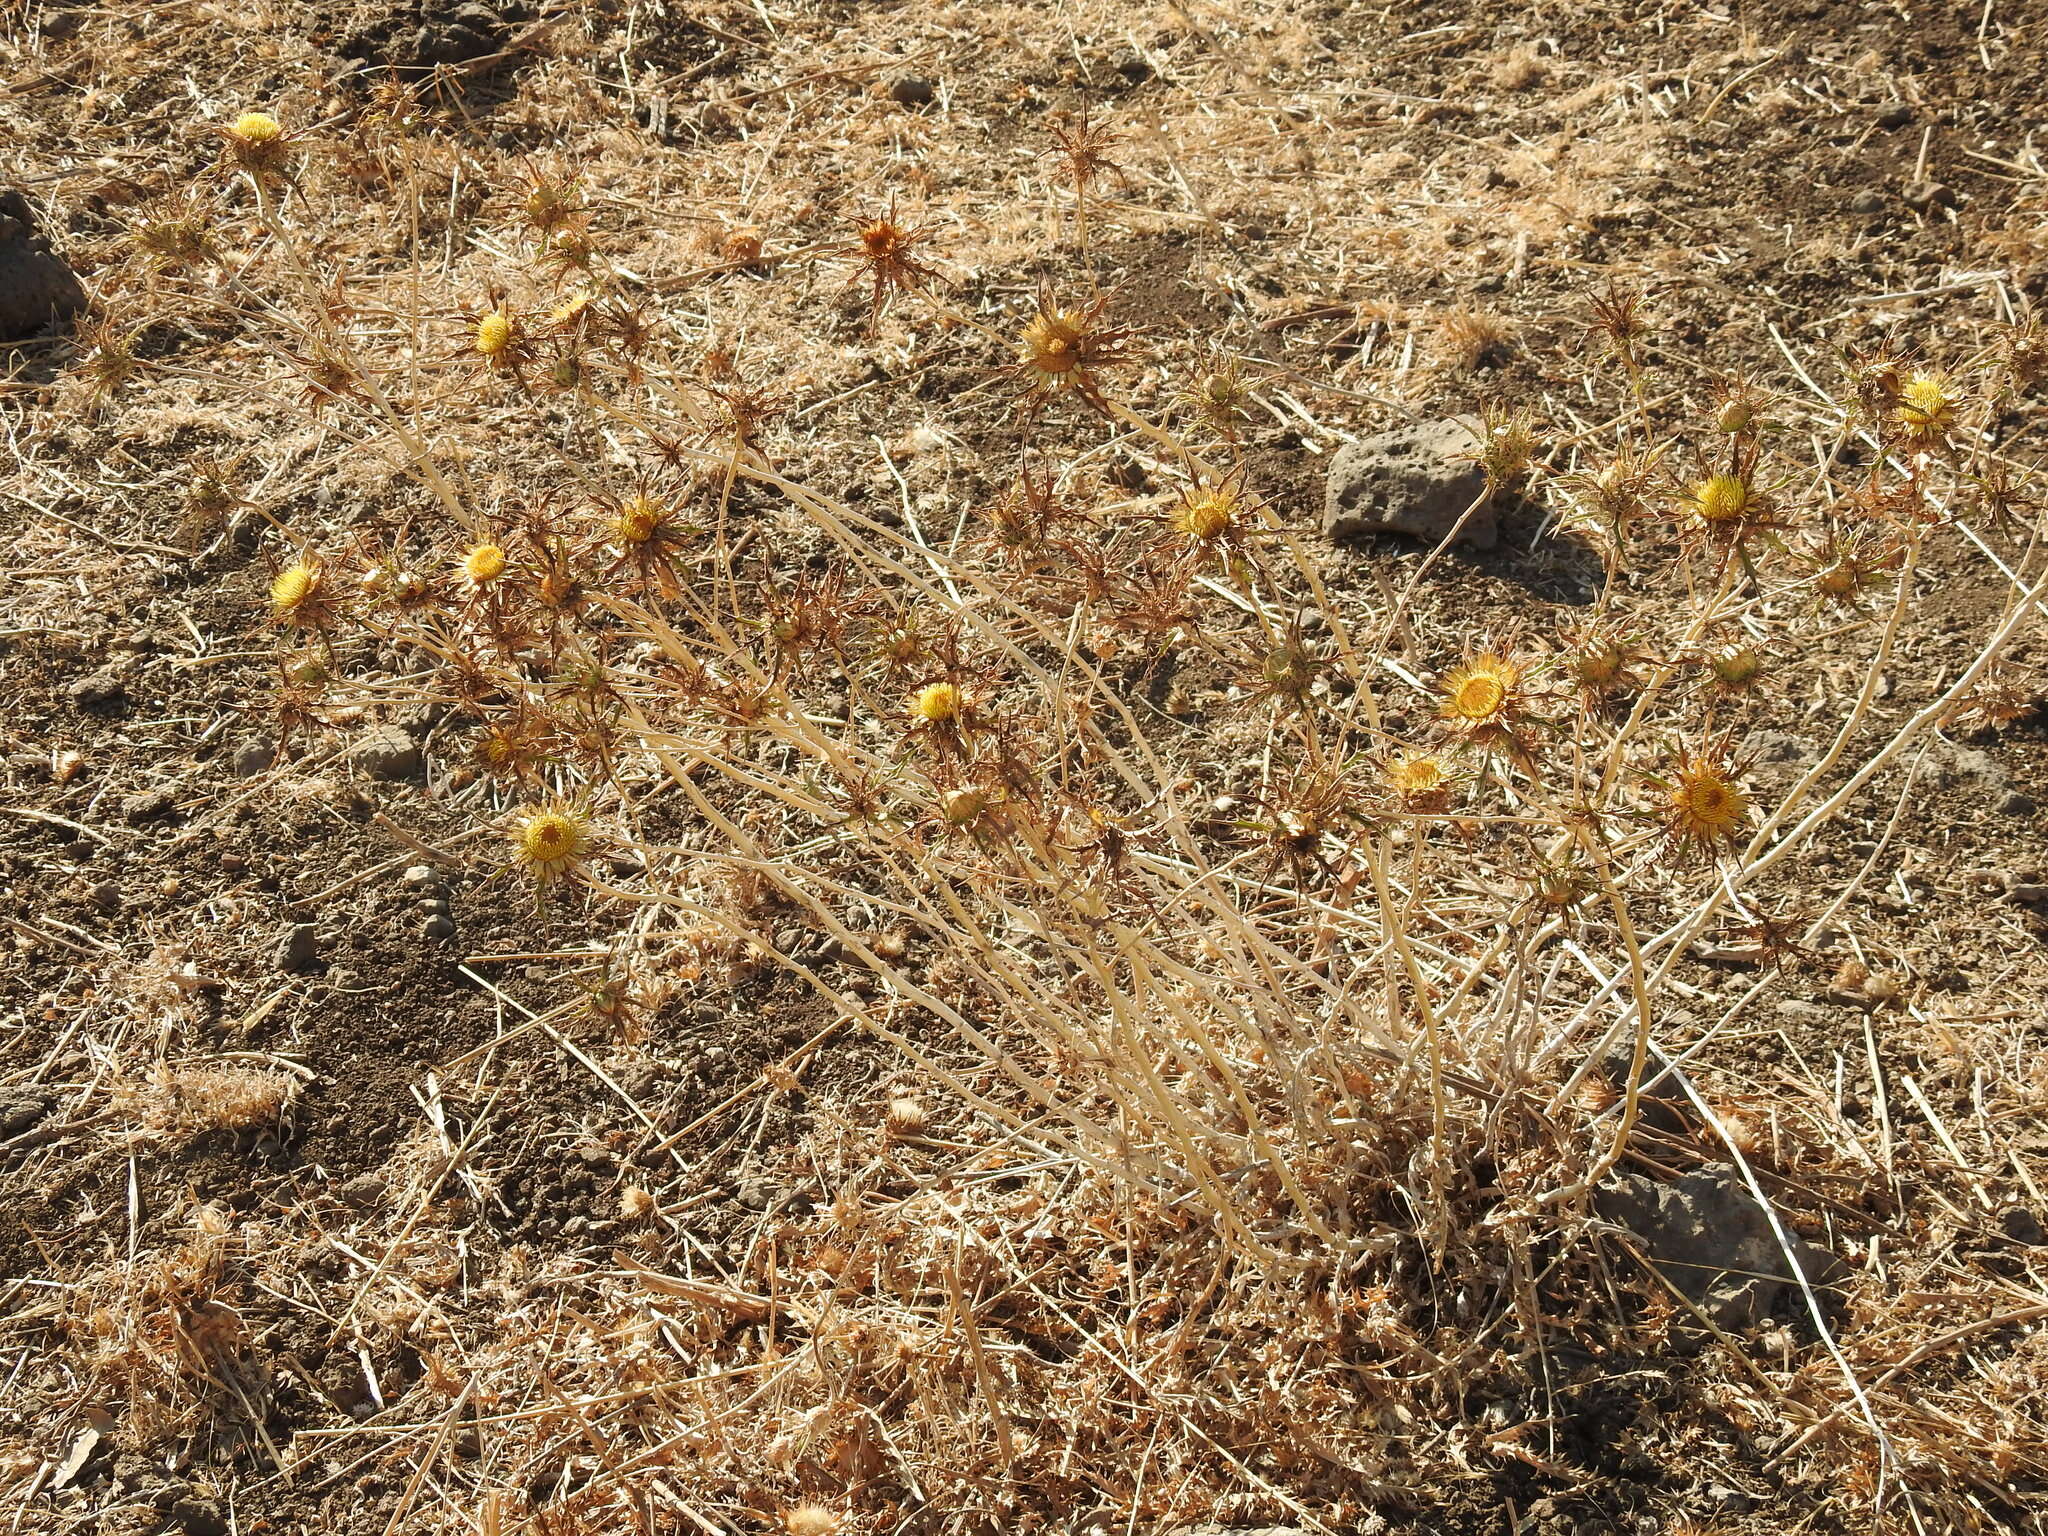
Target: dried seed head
{"x":483,"y":564}
{"x":906,"y":1116}
{"x":635,"y":1203}
{"x":938,"y":703}
{"x":551,"y":841}
{"x":811,"y":1520}
{"x":963,"y":807}
{"x":741,"y":246}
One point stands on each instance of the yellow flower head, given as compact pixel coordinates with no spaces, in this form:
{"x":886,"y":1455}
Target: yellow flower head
{"x":484,"y":564}
{"x":1481,"y":693}
{"x":938,"y":703}
{"x":1720,"y":498}
{"x":1927,"y":407}
{"x":639,"y":520}
{"x":497,"y":333}
{"x":1206,"y":515}
{"x":551,"y":841}
{"x":293,"y":588}
{"x":256,"y":128}
{"x":1705,"y":806}
{"x":256,"y":142}
{"x":1054,"y":342}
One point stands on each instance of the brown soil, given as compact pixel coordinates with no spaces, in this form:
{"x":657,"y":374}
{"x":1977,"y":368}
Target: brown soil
{"x":1766,"y":174}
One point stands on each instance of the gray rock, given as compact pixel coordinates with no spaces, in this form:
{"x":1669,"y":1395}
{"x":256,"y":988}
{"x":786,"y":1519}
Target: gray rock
{"x":147,"y":806}
{"x":37,"y":289}
{"x":388,"y":752}
{"x":19,"y":1111}
{"x":1415,"y":480}
{"x":1925,"y":194}
{"x":440,"y":926}
{"x":299,"y":950}
{"x":106,"y":686}
{"x":1869,"y":200}
{"x":362,"y":1192}
{"x":911,"y":91}
{"x":1707,"y":1235}
{"x":197,"y":1516}
{"x":254,"y":755}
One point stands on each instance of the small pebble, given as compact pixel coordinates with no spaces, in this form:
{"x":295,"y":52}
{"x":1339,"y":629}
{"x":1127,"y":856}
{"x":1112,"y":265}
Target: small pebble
{"x":419,"y":874}
{"x":911,"y":91}
{"x":1867,"y":201}
{"x":2013,"y":803}
{"x":254,"y":755}
{"x":440,"y":926}
{"x":107,"y":896}
{"x":1894,"y":114}
{"x":300,"y":948}
{"x":1923,"y":195}
{"x":388,"y":752}
{"x":147,"y":806}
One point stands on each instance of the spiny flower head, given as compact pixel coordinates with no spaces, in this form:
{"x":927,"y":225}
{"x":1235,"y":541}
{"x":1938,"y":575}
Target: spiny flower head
{"x":1736,"y":668}
{"x":1062,"y":348}
{"x":483,"y":564}
{"x":963,"y":806}
{"x":1486,"y":700}
{"x":551,"y":840}
{"x":256,"y":142}
{"x":256,"y":128}
{"x":1719,"y":499}
{"x":1705,"y":805}
{"x":1927,"y":407}
{"x":639,"y":520}
{"x":497,"y":337}
{"x":1421,"y":779}
{"x":1207,"y":514}
{"x":1481,"y":692}
{"x":938,"y":703}
{"x":1600,"y":663}
{"x":295,"y":589}
{"x":887,"y":252}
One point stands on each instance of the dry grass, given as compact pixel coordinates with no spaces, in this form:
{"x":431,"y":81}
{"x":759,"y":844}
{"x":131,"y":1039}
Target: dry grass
{"x":1255,"y":1083}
